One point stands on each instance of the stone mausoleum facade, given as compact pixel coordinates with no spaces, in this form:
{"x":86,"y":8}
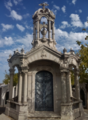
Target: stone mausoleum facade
{"x":44,"y":85}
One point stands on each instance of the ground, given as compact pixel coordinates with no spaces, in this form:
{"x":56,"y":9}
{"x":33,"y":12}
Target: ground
{"x":86,"y":114}
{"x":4,"y":117}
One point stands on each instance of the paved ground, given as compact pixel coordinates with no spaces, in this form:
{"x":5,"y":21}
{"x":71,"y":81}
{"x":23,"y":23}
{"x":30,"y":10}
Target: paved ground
{"x":4,"y":117}
{"x":86,"y":114}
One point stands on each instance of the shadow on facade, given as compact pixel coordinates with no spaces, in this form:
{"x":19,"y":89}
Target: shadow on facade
{"x":2,"y":110}
{"x":82,"y":96}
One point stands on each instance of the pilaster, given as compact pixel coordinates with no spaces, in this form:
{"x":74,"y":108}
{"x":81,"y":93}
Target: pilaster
{"x":63,"y":86}
{"x":70,"y":84}
{"x":68,"y":87}
{"x":49,"y":29}
{"x":24,"y":81}
{"x":53,"y":34}
{"x":20,"y":88}
{"x":29,"y":91}
{"x":37,"y":30}
{"x":77,"y":84}
{"x":11,"y":83}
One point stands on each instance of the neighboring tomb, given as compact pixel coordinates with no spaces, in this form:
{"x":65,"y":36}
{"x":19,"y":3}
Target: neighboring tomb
{"x":4,"y":93}
{"x":44,"y":87}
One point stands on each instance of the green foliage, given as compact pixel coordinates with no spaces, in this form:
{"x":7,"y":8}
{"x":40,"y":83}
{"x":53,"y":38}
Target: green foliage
{"x":78,"y":42}
{"x":72,"y":77}
{"x":7,"y":78}
{"x":83,"y":53}
{"x":15,"y":79}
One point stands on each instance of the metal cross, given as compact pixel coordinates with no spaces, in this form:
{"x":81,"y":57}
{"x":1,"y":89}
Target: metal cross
{"x":43,"y":4}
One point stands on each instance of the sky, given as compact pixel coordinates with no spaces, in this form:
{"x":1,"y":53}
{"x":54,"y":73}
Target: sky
{"x":16,"y":26}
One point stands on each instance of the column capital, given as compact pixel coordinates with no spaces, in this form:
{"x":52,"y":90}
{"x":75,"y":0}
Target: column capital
{"x":12,"y":71}
{"x":23,"y":69}
{"x":52,"y":22}
{"x":64,"y":70}
{"x":30,"y":73}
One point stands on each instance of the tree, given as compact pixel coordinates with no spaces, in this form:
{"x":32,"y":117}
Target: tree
{"x":83,"y":53}
{"x":7,"y":78}
{"x":72,"y":77}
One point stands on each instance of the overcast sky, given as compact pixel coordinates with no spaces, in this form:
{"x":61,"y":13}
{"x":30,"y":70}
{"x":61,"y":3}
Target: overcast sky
{"x":16,"y":25}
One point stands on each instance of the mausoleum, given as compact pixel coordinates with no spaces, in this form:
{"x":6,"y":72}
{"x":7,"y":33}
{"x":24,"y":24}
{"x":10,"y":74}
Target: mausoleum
{"x":44,"y":85}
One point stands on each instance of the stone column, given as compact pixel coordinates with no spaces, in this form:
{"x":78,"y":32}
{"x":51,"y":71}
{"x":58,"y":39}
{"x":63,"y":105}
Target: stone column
{"x":34,"y":33}
{"x":49,"y":29}
{"x":29,"y":85}
{"x":11,"y":83}
{"x":13,"y":92}
{"x":16,"y":89}
{"x":20,"y":88}
{"x":29,"y":91}
{"x":37,"y":30}
{"x":63,"y":86}
{"x":68,"y":87}
{"x":77,"y":92}
{"x":53,"y":34}
{"x":25,"y":88}
{"x":70,"y":84}
{"x":66,"y":108}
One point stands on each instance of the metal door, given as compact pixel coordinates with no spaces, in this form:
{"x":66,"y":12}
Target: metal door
{"x":44,"y":91}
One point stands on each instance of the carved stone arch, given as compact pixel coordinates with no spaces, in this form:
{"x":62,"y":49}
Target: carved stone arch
{"x":72,"y":62}
{"x":38,"y":59}
{"x":40,"y":68}
{"x":46,"y":16}
{"x":72,"y":65}
{"x":18,"y":67}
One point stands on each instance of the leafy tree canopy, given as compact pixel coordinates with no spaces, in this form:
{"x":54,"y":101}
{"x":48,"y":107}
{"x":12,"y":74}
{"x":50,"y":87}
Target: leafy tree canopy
{"x":7,"y":78}
{"x":83,"y":53}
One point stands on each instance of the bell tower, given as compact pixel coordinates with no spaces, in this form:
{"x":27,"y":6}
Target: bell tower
{"x":43,"y":33}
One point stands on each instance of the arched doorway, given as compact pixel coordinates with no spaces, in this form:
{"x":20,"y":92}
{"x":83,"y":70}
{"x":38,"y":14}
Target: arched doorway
{"x":82,"y":96}
{"x":44,"y":91}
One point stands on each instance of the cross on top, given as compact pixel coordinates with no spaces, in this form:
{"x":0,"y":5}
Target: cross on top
{"x":43,"y":4}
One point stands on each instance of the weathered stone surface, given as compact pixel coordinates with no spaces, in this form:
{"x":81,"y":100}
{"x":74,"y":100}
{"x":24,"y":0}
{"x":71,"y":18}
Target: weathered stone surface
{"x":44,"y":57}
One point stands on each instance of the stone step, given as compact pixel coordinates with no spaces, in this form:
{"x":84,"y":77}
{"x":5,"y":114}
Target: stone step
{"x":43,"y":118}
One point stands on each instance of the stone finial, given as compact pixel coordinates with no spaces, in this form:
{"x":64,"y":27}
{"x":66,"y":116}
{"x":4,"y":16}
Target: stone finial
{"x":16,"y":51}
{"x":71,"y":51}
{"x":10,"y":56}
{"x":22,"y":51}
{"x":43,"y":4}
{"x":64,"y":50}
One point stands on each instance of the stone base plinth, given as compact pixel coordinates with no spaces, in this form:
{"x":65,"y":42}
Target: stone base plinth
{"x":69,"y":111}
{"x":16,"y":110}
{"x":72,"y":111}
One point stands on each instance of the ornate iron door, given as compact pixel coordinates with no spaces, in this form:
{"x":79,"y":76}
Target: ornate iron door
{"x":44,"y":91}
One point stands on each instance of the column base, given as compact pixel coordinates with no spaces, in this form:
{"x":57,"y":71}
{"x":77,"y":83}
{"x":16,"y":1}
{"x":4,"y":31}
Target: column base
{"x":71,"y":111}
{"x":18,"y":111}
{"x":66,"y":112}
